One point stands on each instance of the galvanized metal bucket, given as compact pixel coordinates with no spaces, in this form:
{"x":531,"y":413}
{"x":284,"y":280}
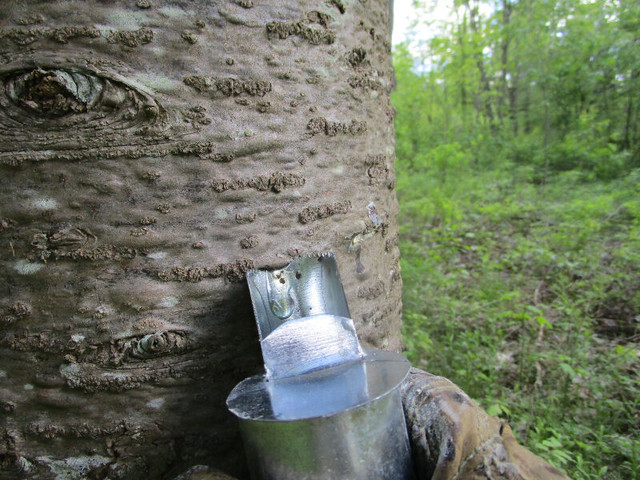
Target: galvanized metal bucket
{"x":325,"y":408}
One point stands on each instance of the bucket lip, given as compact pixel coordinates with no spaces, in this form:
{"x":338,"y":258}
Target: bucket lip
{"x":391,"y":367}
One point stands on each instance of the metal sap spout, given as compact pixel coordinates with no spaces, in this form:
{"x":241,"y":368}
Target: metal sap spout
{"x":325,"y":408}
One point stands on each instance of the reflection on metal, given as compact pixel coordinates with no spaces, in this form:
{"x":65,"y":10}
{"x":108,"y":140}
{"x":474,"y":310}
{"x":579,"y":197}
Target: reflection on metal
{"x":326,"y":408}
{"x":310,"y":343}
{"x":307,"y":286}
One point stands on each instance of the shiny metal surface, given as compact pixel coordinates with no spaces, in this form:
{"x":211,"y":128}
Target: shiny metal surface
{"x":366,"y":443}
{"x":325,"y":408}
{"x":307,"y":286}
{"x":310,"y":343}
{"x":319,"y":393}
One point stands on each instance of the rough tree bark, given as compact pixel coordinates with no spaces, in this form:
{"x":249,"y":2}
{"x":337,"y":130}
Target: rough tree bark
{"x":151,"y":152}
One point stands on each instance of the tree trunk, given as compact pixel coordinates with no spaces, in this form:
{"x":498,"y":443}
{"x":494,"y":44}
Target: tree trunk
{"x":462,"y":34}
{"x":513,"y":104}
{"x":628,"y":127}
{"x":526,"y":108}
{"x":152,"y":152}
{"x":484,"y":79}
{"x":504,"y":58}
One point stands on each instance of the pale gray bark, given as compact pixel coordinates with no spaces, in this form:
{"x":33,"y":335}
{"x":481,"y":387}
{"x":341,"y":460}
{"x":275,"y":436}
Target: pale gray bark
{"x":150,"y":153}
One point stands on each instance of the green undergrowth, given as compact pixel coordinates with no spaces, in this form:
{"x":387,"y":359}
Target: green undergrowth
{"x":527,"y":295}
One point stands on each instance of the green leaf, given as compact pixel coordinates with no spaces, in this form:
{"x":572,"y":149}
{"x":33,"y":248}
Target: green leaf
{"x":568,"y":369}
{"x":494,"y":410}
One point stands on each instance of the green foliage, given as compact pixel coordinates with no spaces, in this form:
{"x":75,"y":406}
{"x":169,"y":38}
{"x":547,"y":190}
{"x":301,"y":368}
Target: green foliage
{"x":520,"y":234}
{"x":529,"y":301}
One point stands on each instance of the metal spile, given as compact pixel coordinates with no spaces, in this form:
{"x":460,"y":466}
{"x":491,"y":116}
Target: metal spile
{"x":325,"y":408}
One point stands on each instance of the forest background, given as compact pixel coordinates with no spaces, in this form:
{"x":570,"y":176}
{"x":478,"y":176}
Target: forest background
{"x":518,"y":166}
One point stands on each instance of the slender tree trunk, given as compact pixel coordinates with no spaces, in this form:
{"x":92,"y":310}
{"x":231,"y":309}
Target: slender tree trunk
{"x":152,"y":152}
{"x":486,"y":87}
{"x":504,"y":59}
{"x":464,"y":101}
{"x":526,"y":108}
{"x":547,"y":134}
{"x":513,"y":105}
{"x":627,"y":130}
{"x":626,"y":136}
